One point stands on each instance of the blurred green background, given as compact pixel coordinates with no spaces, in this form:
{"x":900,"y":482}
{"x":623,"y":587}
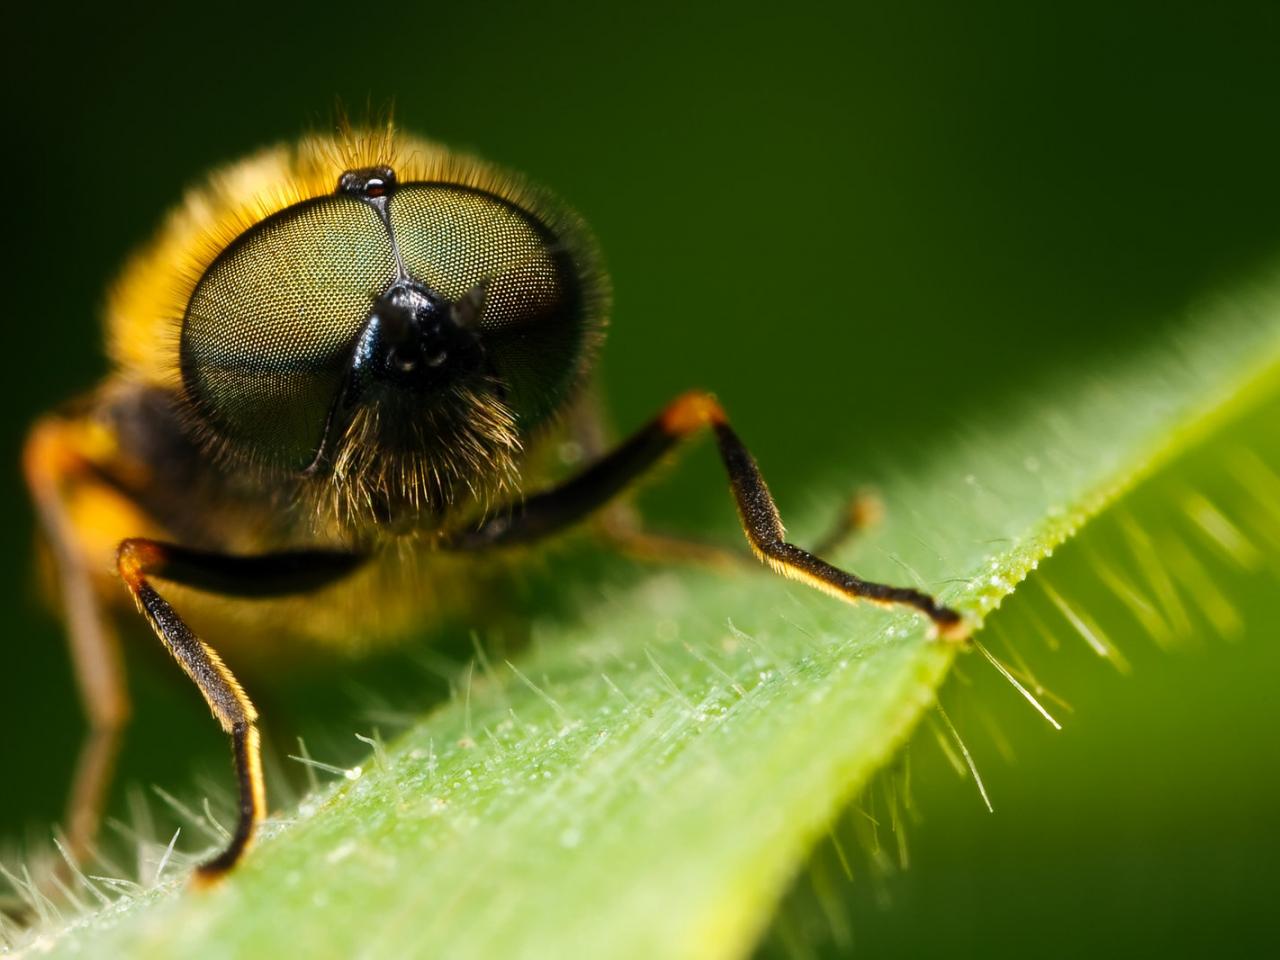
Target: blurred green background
{"x":980,"y":195}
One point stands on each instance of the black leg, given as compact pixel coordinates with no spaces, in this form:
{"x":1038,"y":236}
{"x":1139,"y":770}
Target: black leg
{"x":261,"y":576}
{"x":547,"y":513}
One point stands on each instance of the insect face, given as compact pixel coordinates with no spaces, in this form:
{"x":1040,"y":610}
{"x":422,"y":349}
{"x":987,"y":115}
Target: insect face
{"x":392,"y":343}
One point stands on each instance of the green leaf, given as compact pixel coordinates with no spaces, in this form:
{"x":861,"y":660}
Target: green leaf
{"x":648,"y":776}
{"x":1153,"y":803}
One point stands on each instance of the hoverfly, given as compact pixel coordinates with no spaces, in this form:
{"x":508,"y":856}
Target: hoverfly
{"x":334,"y":370}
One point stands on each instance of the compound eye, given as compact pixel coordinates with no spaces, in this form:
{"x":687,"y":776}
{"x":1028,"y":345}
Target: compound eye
{"x":457,"y":240}
{"x":269,"y":329}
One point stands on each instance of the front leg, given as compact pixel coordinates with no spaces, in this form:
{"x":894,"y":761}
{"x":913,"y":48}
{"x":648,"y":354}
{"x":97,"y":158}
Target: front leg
{"x":551,"y":511}
{"x":259,"y":576}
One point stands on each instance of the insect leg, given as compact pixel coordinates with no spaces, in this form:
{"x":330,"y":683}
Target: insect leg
{"x":543,"y":514}
{"x":622,"y":527}
{"x":860,"y":511}
{"x":52,"y":461}
{"x":620,"y":524}
{"x":259,"y":576}
{"x":624,"y":532}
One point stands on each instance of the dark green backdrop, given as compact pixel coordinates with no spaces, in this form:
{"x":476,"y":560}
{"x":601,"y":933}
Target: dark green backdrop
{"x":972,"y":194}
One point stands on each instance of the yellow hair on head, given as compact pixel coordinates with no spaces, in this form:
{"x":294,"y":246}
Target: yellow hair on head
{"x":146,"y":306}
